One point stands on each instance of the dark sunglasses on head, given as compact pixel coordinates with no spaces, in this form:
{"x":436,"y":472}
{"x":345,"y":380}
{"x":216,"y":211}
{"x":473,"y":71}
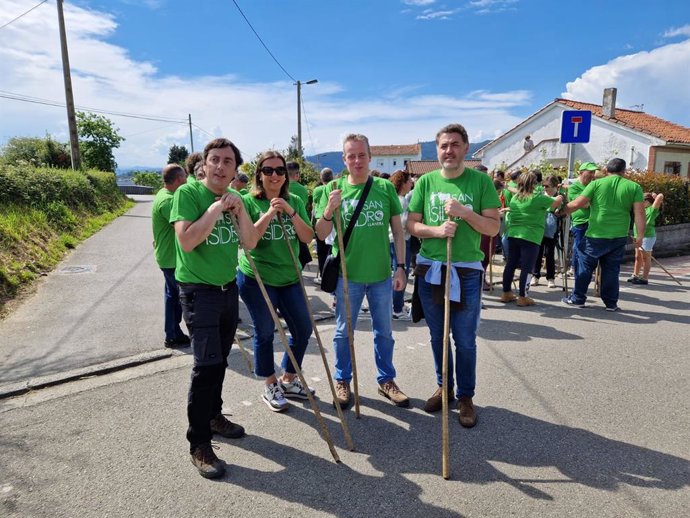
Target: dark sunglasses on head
{"x":269,"y":171}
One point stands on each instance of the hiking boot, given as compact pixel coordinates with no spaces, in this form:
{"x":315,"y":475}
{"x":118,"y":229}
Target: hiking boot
{"x":639,"y":280}
{"x":226,"y":428}
{"x":552,"y":283}
{"x":205,"y":460}
{"x":274,"y":398}
{"x":343,"y":393}
{"x":295,"y":389}
{"x":525,"y":301}
{"x":508,"y":296}
{"x":391,"y":391}
{"x":467,"y":415}
{"x":435,"y":402}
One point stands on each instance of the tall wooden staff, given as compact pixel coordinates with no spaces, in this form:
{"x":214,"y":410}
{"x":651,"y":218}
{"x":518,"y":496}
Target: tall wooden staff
{"x":338,"y":409}
{"x":491,"y":263}
{"x":286,"y":345}
{"x":661,"y":266}
{"x":445,"y":446}
{"x":566,"y":244}
{"x":348,"y":312}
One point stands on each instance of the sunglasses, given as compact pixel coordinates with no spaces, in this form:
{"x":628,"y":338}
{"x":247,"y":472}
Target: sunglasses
{"x":269,"y":171}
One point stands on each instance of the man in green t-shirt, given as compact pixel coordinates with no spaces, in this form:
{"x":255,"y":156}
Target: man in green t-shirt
{"x":207,"y":246}
{"x":462,"y":204}
{"x":580,"y":217}
{"x":367,"y":256}
{"x":174,"y":176}
{"x":610,"y":200}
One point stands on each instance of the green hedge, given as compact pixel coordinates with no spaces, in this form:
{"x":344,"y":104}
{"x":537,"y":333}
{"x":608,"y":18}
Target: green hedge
{"x":676,"y":191}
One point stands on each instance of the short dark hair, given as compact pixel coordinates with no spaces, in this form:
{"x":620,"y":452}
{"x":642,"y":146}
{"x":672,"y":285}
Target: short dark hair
{"x":241,"y":177}
{"x":220,"y":143}
{"x":616,"y":166}
{"x":537,"y":174}
{"x":191,"y":162}
{"x":326,"y":175}
{"x":453,"y":128}
{"x":515,"y":174}
{"x":292,"y":167}
{"x":171,"y":172}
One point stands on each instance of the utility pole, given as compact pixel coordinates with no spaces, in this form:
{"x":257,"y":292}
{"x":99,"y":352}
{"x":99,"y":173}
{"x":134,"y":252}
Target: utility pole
{"x":71,"y":118}
{"x":191,"y":135}
{"x":299,"y":112}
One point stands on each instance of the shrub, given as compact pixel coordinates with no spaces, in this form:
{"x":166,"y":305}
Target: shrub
{"x":676,"y":207}
{"x":149,"y":179}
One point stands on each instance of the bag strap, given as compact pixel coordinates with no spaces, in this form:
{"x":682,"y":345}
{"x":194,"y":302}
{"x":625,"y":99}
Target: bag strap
{"x":358,"y":209}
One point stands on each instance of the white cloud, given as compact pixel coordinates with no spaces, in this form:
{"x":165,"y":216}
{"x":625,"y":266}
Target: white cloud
{"x":677,"y":31}
{"x":657,"y":78}
{"x":256,"y":116}
{"x":418,"y":2}
{"x":437,"y":15}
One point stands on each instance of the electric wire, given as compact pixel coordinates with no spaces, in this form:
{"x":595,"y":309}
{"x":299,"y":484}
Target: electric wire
{"x":23,"y":14}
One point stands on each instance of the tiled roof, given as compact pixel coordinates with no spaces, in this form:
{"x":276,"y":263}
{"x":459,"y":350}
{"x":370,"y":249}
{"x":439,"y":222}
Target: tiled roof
{"x":638,"y":121}
{"x":408,"y":149}
{"x":418,"y":167}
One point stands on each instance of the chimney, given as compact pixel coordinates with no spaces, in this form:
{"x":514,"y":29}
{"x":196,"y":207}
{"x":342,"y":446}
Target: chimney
{"x":608,"y":107}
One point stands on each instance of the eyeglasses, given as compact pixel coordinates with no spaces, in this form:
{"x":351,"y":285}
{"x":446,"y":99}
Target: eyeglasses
{"x":269,"y":171}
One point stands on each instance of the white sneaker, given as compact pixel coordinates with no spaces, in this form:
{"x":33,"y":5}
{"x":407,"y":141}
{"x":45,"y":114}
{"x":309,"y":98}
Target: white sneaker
{"x":534,"y":281}
{"x":295,"y":389}
{"x":274,"y":398}
{"x":317,"y":280}
{"x":552,"y":284}
{"x":402,"y":315}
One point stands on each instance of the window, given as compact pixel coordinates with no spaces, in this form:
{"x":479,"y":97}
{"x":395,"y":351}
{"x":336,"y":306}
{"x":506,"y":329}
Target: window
{"x":672,"y":167}
{"x":395,"y":162}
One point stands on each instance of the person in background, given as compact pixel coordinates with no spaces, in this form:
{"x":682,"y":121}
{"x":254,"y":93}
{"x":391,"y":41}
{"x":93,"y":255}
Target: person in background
{"x":174,"y":176}
{"x":547,"y":250}
{"x":239,"y":183}
{"x":402,"y":182}
{"x":322,"y":248}
{"x":528,"y":144}
{"x":580,"y":217}
{"x":509,"y":191}
{"x":190,"y":165}
{"x":489,"y":244}
{"x":643,"y":254}
{"x":299,"y":190}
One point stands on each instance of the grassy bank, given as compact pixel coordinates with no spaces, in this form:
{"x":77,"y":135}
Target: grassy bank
{"x":44,"y":213}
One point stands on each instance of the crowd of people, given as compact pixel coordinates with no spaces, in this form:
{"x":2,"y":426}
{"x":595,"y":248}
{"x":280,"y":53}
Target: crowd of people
{"x":219,"y":235}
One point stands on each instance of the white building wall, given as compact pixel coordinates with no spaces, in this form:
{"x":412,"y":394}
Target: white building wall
{"x":390,"y":164}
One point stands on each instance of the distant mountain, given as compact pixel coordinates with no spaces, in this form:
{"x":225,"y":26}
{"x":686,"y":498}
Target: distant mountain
{"x":128,"y":171}
{"x":334,"y":159}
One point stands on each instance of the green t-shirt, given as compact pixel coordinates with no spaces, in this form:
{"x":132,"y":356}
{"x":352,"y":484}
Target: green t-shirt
{"x":527,"y":217}
{"x":316,"y":200}
{"x":368,"y":250}
{"x":611,"y":200}
{"x":580,"y":216}
{"x":214,"y":260}
{"x":650,"y":215}
{"x":299,"y":190}
{"x":472,"y":188}
{"x":163,"y":231}
{"x":271,"y":255}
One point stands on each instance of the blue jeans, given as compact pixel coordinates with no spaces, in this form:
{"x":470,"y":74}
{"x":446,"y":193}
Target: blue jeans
{"x":463,"y":326}
{"x":380,"y":307}
{"x":578,"y":234}
{"x":609,"y":254}
{"x":173,"y":309}
{"x":290,"y":301}
{"x":399,"y":296}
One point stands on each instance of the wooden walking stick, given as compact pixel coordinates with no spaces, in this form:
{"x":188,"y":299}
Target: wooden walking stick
{"x":597,"y":281}
{"x":339,"y":410}
{"x":286,"y":345}
{"x":491,"y":263}
{"x":662,"y":267}
{"x":245,"y":355}
{"x":566,"y":244}
{"x":348,"y":312}
{"x":445,"y":446}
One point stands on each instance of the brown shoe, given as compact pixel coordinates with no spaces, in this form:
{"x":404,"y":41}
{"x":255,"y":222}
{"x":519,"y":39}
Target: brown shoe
{"x":223,"y":426}
{"x":467,"y":415}
{"x":391,"y":391}
{"x":435,"y":402}
{"x":508,"y":296}
{"x":342,"y":392}
{"x":205,"y":460}
{"x":525,"y":301}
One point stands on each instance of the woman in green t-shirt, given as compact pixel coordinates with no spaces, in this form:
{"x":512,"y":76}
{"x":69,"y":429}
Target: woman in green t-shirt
{"x":643,"y":255}
{"x":547,"y":250}
{"x":269,"y":200}
{"x":527,"y":222}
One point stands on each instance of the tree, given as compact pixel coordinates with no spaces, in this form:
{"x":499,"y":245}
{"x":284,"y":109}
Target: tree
{"x":177,"y":154}
{"x":293,"y":152}
{"x":40,"y":152}
{"x":97,"y":139}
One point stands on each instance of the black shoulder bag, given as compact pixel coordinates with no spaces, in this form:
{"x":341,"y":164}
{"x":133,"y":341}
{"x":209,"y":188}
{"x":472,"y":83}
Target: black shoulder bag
{"x":331,"y":267}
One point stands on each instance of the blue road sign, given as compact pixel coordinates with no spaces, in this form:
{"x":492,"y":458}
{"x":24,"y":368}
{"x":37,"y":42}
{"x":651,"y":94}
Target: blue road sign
{"x":576,"y":126}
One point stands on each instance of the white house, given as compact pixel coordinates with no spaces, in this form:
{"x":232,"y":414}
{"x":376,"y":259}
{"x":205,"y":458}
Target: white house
{"x":388,"y":159}
{"x":642,"y":140}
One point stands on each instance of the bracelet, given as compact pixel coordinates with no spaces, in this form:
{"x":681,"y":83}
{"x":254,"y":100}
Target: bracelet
{"x":400,"y":265}
{"x":294,"y":213}
{"x":325,"y":218}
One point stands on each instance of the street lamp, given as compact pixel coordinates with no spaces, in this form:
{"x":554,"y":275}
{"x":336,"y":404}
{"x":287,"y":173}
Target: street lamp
{"x":299,"y":112}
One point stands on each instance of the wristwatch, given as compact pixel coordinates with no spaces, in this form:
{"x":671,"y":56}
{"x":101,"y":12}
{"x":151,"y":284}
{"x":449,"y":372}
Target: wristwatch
{"x":400,"y":265}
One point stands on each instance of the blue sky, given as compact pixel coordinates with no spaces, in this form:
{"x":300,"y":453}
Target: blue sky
{"x":396,"y":70}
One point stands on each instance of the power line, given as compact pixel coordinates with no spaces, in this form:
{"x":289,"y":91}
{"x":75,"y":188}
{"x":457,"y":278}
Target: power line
{"x":262,"y":42}
{"x":203,"y":130}
{"x":48,"y":102}
{"x":23,"y":14}
{"x":306,"y":122}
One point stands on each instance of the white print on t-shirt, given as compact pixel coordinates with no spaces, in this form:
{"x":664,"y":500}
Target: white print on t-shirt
{"x":372,"y":214}
{"x":274,"y":232}
{"x":437,"y":202}
{"x":223,"y":232}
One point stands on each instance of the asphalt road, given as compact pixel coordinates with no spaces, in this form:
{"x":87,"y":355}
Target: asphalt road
{"x":581,"y":412}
